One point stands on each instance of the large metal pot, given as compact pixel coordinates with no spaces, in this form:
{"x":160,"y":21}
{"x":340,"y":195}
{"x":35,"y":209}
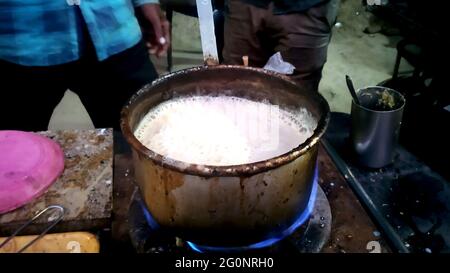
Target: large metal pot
{"x":226,"y":205}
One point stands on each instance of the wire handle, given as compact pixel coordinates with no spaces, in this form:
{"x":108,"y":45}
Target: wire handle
{"x":54,"y":221}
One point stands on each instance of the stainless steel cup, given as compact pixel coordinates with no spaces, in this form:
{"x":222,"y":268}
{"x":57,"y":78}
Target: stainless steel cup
{"x":375,"y":125}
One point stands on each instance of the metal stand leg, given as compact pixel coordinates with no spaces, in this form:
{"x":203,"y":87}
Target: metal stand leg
{"x":169,"y":16}
{"x":397,"y":65}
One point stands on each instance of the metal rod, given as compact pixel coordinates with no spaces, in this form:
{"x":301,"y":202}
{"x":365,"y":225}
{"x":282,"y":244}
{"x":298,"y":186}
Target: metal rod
{"x":54,"y":222}
{"x":207,"y":33}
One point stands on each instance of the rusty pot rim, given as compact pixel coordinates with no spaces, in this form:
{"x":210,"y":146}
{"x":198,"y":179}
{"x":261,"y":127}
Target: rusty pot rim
{"x":228,"y":170}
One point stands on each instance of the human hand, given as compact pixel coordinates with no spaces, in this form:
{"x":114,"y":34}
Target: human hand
{"x":155,"y":29}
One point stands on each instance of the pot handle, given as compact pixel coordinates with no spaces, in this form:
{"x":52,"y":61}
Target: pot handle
{"x":208,"y":37}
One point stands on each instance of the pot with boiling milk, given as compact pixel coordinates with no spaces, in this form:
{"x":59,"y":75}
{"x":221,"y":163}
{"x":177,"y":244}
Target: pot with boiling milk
{"x":225,"y":155}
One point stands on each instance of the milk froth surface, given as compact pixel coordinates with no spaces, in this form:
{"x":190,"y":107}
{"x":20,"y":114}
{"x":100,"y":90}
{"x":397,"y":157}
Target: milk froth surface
{"x":222,"y":130}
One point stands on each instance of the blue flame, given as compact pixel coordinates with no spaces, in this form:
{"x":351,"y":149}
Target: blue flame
{"x":150,"y":220}
{"x":287,"y":232}
{"x":266,"y":243}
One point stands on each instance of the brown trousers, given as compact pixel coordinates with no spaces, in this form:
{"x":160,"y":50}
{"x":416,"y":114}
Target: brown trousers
{"x":301,"y":38}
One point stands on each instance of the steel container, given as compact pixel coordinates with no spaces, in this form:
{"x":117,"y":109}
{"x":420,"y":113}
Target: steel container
{"x":375,"y":132}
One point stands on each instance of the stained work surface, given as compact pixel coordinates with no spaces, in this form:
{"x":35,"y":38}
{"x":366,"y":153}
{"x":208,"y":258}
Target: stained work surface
{"x":84,"y":189}
{"x":352,"y":230}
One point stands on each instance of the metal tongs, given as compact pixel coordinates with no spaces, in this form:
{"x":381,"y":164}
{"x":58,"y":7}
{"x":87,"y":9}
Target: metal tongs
{"x":54,"y":219}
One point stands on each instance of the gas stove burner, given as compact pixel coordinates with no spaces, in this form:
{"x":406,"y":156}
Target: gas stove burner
{"x":303,"y":217}
{"x":308,"y":234}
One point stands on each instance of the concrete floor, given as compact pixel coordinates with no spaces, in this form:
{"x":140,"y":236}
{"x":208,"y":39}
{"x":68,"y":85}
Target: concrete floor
{"x":367,"y":58}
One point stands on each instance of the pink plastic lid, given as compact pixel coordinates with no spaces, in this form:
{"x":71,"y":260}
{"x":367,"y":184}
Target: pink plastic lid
{"x":29,"y":164}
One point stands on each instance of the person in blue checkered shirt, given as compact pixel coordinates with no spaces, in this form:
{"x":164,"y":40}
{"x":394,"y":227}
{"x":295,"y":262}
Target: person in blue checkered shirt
{"x":97,"y":48}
